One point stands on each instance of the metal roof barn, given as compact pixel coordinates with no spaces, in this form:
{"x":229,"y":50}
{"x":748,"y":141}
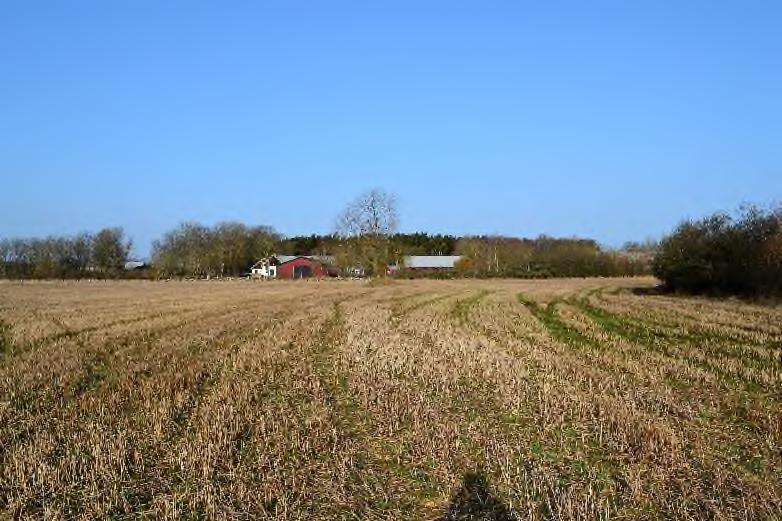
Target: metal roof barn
{"x":429,"y":262}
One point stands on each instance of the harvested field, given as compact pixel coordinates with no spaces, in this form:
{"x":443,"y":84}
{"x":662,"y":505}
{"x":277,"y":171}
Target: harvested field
{"x":560,"y":399}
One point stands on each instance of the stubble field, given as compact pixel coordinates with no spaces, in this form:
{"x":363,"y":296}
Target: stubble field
{"x":562,"y":399}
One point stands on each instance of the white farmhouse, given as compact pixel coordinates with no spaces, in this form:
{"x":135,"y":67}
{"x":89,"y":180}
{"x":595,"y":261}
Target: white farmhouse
{"x":264,"y":269}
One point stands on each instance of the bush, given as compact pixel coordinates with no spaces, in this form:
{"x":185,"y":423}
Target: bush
{"x":723,"y":254}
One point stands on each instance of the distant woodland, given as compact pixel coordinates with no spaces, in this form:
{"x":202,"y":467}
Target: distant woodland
{"x":229,"y":249}
{"x":719,"y":254}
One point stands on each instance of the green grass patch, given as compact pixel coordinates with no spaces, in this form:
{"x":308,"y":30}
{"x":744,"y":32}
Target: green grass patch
{"x":650,"y":335}
{"x":686,"y":333}
{"x":621,"y":326}
{"x":556,"y":326}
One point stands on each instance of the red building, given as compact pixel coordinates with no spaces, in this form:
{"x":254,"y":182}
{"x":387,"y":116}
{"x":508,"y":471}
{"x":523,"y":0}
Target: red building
{"x":301,"y":268}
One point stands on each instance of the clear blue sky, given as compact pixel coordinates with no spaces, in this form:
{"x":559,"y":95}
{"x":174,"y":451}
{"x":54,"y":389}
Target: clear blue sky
{"x":611,"y":120}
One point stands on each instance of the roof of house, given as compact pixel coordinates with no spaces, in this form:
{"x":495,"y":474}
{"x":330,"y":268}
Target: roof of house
{"x":431,"y":261}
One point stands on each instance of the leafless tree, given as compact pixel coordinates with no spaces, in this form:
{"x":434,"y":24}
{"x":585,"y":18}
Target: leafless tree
{"x":365,"y":228}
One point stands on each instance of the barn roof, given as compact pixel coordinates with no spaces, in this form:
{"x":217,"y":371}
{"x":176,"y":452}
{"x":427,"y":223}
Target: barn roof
{"x":431,"y":261}
{"x":286,"y":258}
{"x":325,"y":259}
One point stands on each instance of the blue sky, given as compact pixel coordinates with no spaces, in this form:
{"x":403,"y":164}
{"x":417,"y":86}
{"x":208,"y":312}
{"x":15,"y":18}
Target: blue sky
{"x":607,"y":119}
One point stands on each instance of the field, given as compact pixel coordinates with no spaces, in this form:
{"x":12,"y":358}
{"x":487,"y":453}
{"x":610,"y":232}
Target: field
{"x":560,"y":399}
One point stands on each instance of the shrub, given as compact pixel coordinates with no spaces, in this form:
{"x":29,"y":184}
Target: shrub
{"x":723,"y":254}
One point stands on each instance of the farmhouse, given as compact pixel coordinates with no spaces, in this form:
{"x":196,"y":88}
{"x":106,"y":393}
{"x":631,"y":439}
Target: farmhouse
{"x":264,"y":269}
{"x":292,"y":267}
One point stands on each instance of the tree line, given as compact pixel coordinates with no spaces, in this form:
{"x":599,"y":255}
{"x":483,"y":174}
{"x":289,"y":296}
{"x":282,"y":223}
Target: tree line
{"x":229,"y":249}
{"x":225,"y":250}
{"x":365,"y":241}
{"x":417,"y":243}
{"x":544,"y":257}
{"x":499,"y":256}
{"x":98,"y":255}
{"x":721,"y":253}
{"x":366,"y":236}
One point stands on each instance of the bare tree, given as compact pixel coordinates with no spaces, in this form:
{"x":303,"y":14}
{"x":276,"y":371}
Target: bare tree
{"x":365,"y":228}
{"x":371,"y":214}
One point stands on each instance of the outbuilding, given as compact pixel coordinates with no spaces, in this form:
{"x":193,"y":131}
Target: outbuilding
{"x":302,"y":267}
{"x":430,"y":262}
{"x":425,"y":264}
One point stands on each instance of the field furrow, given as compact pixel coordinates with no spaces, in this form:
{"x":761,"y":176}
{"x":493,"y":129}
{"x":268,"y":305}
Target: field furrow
{"x":494,"y":399}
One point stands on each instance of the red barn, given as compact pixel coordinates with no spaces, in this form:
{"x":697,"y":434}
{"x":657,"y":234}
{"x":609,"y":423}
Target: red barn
{"x":301,"y":268}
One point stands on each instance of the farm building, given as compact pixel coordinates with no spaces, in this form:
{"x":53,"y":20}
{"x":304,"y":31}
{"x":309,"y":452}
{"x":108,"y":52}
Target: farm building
{"x":292,"y":267}
{"x":431,"y":262}
{"x":264,"y":269}
{"x":423,"y":263}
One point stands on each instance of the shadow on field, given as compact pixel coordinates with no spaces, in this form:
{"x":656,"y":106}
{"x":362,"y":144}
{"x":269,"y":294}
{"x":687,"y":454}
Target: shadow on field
{"x":649,"y":290}
{"x":474,"y":501}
